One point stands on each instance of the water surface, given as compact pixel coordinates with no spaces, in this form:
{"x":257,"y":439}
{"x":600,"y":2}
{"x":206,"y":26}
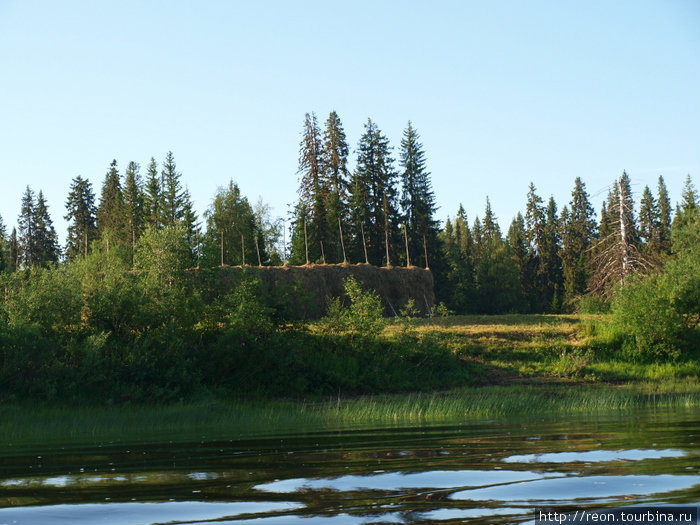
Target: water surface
{"x":494,"y":472}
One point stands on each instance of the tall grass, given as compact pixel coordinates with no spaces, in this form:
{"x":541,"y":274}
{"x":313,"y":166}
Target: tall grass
{"x":230,"y":419}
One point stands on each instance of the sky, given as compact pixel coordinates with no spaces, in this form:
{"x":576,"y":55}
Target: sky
{"x":502,"y":93}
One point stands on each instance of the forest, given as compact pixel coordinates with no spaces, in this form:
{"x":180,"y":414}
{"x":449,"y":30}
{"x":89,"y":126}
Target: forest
{"x":131,"y":298}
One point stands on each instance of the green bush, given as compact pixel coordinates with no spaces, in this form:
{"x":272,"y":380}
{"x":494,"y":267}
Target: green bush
{"x":363,"y":317}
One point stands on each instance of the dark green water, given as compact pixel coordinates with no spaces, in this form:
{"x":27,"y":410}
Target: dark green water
{"x":477,"y":471}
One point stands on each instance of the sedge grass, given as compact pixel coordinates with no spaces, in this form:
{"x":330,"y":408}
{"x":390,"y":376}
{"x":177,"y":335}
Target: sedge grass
{"x":231,"y":419}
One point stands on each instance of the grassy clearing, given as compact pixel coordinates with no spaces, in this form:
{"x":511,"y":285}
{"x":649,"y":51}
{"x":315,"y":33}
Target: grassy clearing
{"x":543,"y":348}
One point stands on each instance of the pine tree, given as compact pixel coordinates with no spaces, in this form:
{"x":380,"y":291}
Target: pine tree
{"x":81,"y":212}
{"x":111,"y":214}
{"x":153,"y":198}
{"x":173,"y":204}
{"x":374,"y":190}
{"x":45,"y":233}
{"x":417,"y":198}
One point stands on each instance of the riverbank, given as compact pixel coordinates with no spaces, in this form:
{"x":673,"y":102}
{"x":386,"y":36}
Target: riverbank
{"x":227,"y":419}
{"x":496,"y":366}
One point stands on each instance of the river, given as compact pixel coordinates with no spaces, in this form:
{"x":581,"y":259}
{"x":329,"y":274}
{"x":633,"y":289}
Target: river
{"x":482,"y":471}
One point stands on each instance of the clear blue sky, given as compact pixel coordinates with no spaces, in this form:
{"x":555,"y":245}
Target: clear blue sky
{"x":502,"y":93}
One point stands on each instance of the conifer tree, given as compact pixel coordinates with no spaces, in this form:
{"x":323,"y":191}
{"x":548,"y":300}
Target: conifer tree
{"x":27,"y":246}
{"x":334,"y":161}
{"x":534,"y":288}
{"x":314,"y":192}
{"x":578,"y":233}
{"x":45,"y":233}
{"x":455,"y":285}
{"x":4,"y":248}
{"x":664,"y":205}
{"x":375,"y":181}
{"x":172,"y":201}
{"x":231,"y":229}
{"x":81,"y":213}
{"x":617,"y":253}
{"x":417,"y":198}
{"x":133,"y":204}
{"x":14,"y":251}
{"x":153,"y":198}
{"x":111,"y":214}
{"x":495,"y":276}
{"x":191,"y":227}
{"x":517,"y":242}
{"x":551,"y":264}
{"x":650,"y":223}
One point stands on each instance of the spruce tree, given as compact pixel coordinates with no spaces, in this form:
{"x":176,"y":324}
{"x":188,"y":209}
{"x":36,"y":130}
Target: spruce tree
{"x":650,"y":223}
{"x":4,"y":248}
{"x":417,"y":198}
{"x":153,"y":198}
{"x":14,"y":251}
{"x":617,"y":253}
{"x":133,"y":204}
{"x":334,"y":161}
{"x":455,"y":285}
{"x":45,"y":233}
{"x":111,"y":214}
{"x":374,"y":190}
{"x":579,"y":230}
{"x":172,"y":201}
{"x":191,"y":227}
{"x":27,"y":248}
{"x":314,"y":192}
{"x":664,"y":205}
{"x":81,"y":214}
{"x":551,"y":264}
{"x":534,"y":284}
{"x":517,"y":242}
{"x":231,"y":229}
{"x":495,"y":276}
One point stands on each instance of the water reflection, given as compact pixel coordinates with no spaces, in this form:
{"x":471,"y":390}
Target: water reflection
{"x":484,"y":472}
{"x":594,"y":456}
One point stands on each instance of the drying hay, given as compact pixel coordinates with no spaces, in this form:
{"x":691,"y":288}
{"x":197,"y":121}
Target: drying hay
{"x":305,"y":291}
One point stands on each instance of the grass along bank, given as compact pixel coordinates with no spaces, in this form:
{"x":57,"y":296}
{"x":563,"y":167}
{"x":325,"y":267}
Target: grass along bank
{"x":25,"y":426}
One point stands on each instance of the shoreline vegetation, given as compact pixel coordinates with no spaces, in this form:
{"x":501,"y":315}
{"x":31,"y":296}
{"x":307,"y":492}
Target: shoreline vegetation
{"x":232,"y":419}
{"x":531,"y":366}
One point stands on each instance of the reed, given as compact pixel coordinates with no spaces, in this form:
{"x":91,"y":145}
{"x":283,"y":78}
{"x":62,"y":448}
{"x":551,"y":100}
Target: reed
{"x":20,"y":425}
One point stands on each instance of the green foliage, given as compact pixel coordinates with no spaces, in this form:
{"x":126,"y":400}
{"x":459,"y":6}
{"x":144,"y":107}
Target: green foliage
{"x":660,"y":313}
{"x":590,"y":304}
{"x":362,"y":317}
{"x":571,"y":362}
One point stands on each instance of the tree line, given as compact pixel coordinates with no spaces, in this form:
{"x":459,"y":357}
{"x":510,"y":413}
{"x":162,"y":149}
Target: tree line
{"x":382,"y":212}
